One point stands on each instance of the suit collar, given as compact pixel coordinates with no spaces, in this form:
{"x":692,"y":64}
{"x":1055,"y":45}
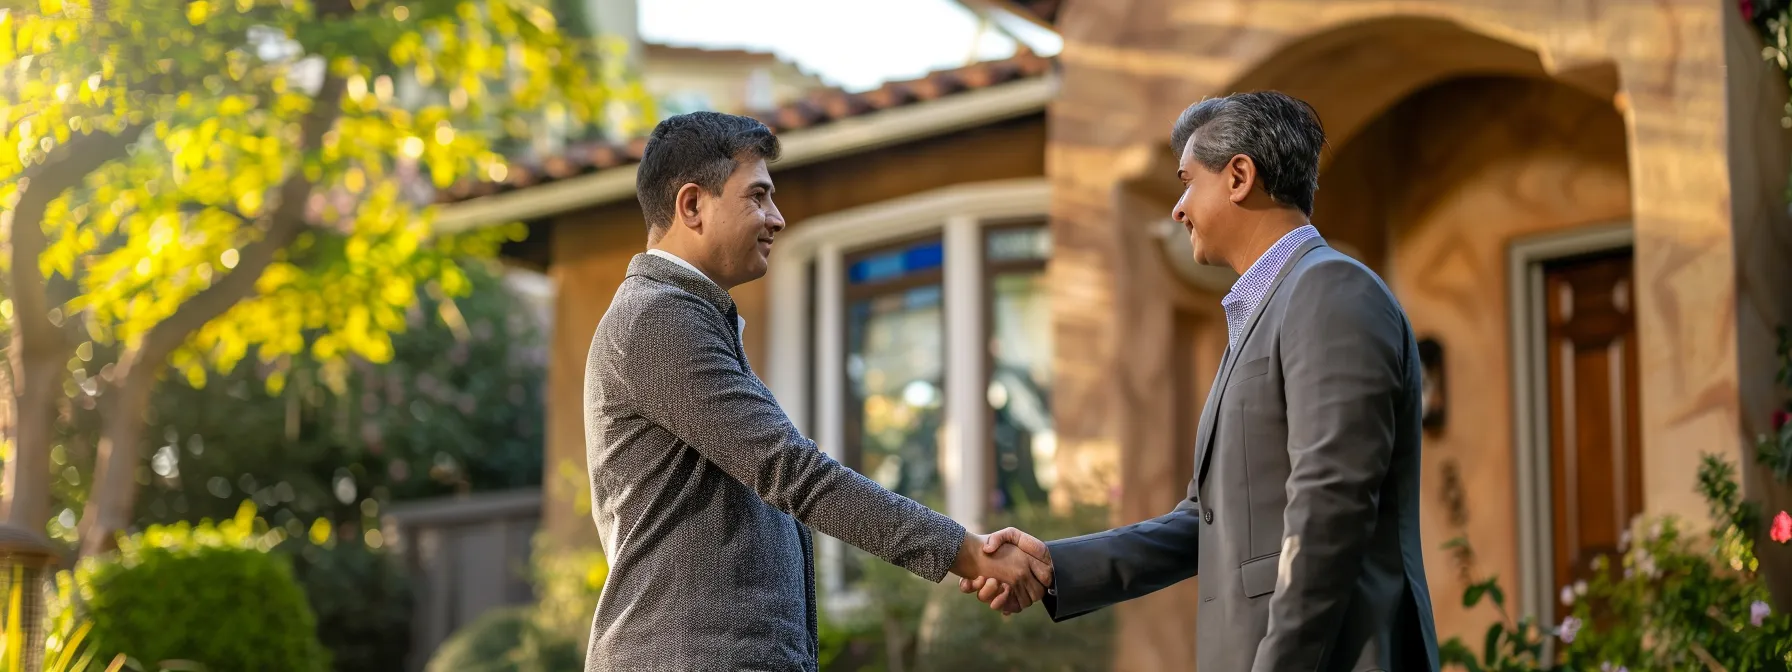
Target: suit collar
{"x":661,"y":269}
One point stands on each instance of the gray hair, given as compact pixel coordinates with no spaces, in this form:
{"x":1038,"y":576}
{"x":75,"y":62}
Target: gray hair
{"x":1280,"y":133}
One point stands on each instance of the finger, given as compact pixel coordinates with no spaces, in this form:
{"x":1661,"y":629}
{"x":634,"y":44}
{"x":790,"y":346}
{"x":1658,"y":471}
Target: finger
{"x":1022,"y":598}
{"x":991,"y":588}
{"x":1003,"y":602}
{"x":1042,"y":571}
{"x":994,"y":542}
{"x":1035,"y":591}
{"x":965,"y":586}
{"x":979,"y":584}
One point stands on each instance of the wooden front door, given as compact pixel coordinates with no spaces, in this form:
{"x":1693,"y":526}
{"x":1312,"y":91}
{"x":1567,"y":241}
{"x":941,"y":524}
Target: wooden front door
{"x":1595,"y":448}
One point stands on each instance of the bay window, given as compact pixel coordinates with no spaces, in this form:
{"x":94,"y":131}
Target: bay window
{"x":912,"y":340}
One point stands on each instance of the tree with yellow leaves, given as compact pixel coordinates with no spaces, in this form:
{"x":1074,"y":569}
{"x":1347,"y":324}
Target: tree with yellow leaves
{"x":190,"y":182}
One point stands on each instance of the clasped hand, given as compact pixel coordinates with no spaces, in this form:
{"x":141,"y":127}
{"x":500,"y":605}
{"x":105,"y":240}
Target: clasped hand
{"x":1008,"y":570}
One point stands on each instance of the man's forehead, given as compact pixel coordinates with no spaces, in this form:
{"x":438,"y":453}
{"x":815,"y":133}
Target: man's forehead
{"x":751,"y":171}
{"x":1185,"y":153}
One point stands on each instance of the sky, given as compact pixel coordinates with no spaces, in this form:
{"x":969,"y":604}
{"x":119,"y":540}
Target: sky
{"x":853,"y":44}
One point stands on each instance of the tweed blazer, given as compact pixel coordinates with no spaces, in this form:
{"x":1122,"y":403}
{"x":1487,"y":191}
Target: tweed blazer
{"x":703,"y":492}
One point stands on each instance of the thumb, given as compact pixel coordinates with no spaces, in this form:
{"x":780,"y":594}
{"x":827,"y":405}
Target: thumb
{"x":993,"y":542}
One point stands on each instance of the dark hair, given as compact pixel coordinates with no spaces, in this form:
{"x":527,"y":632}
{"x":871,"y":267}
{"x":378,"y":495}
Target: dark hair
{"x":1279,"y":132}
{"x":701,"y":148}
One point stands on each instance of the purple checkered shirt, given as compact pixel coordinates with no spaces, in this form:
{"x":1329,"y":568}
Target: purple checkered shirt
{"x":1253,"y":286}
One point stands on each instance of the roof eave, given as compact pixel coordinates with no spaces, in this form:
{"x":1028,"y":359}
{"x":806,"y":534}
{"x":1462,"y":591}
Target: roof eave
{"x":844,"y":137}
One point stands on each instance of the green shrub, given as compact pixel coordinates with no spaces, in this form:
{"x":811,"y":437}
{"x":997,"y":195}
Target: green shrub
{"x":210,"y":594}
{"x":548,"y":636}
{"x":362,"y":599}
{"x":507,"y":640}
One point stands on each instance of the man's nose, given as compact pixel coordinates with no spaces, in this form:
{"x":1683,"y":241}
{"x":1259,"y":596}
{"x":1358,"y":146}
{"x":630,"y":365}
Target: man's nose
{"x":775,"y":222}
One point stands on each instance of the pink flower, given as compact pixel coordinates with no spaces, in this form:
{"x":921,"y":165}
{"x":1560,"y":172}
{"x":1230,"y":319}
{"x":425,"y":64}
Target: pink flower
{"x":1780,"y":417}
{"x":1758,"y":613}
{"x":1782,"y":528}
{"x":1568,"y":629}
{"x":1748,"y":10}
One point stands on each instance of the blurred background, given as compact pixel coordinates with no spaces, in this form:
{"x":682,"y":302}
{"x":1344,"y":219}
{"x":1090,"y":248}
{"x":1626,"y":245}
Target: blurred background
{"x":297,"y":296}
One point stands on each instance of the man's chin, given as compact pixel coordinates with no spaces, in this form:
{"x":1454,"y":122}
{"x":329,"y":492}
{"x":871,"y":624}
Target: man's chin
{"x":757,"y":268}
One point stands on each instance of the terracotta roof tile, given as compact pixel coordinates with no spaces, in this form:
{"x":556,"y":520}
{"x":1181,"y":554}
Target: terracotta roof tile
{"x":815,"y":109}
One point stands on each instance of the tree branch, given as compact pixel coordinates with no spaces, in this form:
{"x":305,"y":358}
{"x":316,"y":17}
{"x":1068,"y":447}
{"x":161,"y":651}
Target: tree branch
{"x":196,"y":208}
{"x":65,"y":167}
{"x":284,"y":224}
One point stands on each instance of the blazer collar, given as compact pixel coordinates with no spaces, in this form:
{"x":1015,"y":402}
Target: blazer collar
{"x":654,"y":267}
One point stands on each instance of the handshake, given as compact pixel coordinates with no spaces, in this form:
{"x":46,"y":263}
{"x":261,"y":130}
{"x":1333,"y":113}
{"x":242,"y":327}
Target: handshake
{"x":1008,"y":570}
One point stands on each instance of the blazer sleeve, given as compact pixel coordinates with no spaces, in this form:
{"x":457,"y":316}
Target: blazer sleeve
{"x":1343,"y":360}
{"x":680,"y":371}
{"x":1097,"y":570}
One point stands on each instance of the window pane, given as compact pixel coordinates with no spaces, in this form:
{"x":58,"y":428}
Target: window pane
{"x":1020,"y":382}
{"x":896,"y":263}
{"x":895,"y":365}
{"x":1032,"y":243}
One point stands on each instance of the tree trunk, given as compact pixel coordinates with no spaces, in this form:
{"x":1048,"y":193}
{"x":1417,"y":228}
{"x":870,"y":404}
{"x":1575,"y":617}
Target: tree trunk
{"x":38,"y":347}
{"x":109,"y":503}
{"x":134,"y":374}
{"x":36,"y":384}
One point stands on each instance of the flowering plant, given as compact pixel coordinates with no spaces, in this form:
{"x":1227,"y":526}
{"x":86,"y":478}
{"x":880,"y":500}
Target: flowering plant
{"x":1774,"y":448}
{"x":1669,"y":601}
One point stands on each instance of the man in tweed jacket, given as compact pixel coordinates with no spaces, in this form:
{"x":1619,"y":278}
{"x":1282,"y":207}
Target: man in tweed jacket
{"x":702,"y":490}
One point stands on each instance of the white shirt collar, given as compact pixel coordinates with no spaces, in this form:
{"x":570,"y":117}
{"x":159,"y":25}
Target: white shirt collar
{"x":741,"y":322}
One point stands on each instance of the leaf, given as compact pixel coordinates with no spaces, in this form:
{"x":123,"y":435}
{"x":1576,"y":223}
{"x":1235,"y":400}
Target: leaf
{"x":1491,"y":647}
{"x":1454,"y":652}
{"x":1472,"y":596}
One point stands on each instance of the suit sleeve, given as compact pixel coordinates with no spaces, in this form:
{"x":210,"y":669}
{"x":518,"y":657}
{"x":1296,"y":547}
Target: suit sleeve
{"x":1097,"y":570}
{"x":680,"y":372}
{"x":1343,"y":360}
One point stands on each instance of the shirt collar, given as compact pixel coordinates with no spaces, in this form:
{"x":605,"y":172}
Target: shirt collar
{"x":740,"y":322}
{"x":1253,"y":286}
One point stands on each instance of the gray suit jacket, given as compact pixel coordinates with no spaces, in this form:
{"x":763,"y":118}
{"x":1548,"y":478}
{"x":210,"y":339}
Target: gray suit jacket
{"x":701,"y":489}
{"x":1303,"y":516}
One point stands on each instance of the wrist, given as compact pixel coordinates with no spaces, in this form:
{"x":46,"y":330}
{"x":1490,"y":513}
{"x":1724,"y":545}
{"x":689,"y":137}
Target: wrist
{"x":969,"y":548}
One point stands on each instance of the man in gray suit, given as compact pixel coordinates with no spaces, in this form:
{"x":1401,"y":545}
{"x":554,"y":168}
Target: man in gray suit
{"x":1302,"y":519}
{"x":702,"y":490}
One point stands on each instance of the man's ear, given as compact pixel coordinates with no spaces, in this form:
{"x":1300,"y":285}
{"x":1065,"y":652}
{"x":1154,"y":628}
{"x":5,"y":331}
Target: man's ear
{"x":1241,"y":176}
{"x":687,"y":206}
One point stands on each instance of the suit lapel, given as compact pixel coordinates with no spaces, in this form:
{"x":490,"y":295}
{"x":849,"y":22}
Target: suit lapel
{"x":1210,"y":414}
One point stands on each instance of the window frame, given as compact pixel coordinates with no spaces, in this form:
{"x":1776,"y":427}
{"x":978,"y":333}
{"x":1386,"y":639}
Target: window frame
{"x":806,"y":328}
{"x":992,"y":269}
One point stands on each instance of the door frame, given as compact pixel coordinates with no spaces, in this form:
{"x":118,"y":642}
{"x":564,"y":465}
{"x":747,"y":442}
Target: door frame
{"x":1525,"y":260}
